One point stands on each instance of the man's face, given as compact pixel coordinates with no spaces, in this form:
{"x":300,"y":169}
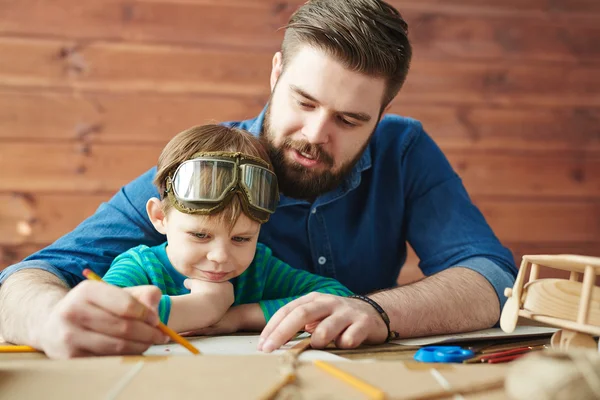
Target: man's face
{"x":319,"y":121}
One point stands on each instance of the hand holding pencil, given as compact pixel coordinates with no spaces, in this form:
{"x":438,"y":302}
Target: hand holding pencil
{"x":100,"y":319}
{"x":89,"y":274}
{"x":95,"y":318}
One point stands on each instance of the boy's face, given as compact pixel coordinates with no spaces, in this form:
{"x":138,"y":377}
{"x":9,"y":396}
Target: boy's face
{"x":319,"y":120}
{"x":201,"y":248}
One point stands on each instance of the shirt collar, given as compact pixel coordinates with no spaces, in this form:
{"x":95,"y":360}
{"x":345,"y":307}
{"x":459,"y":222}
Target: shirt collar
{"x":350,"y":183}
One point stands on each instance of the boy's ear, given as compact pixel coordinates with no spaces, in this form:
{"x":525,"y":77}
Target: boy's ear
{"x":157,"y":215}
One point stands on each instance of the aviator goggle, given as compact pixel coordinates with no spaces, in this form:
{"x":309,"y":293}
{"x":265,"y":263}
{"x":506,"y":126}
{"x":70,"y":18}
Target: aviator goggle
{"x":207,"y":182}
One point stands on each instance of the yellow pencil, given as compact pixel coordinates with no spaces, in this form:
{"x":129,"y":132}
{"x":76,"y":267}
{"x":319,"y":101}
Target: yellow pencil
{"x":89,"y":274}
{"x":18,"y":349}
{"x":370,"y":390}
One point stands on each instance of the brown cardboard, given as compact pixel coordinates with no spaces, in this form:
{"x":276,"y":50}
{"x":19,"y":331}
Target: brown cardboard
{"x":220,"y":377}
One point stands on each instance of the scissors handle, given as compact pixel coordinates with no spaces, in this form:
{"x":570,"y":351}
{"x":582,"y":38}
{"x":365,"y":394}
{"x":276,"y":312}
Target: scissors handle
{"x":443,"y":354}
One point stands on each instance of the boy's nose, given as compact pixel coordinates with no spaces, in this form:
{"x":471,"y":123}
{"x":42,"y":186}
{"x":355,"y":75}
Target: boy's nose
{"x":218,"y":255}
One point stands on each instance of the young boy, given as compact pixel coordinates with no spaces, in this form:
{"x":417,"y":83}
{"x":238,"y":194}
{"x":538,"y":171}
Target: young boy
{"x":217,"y":187}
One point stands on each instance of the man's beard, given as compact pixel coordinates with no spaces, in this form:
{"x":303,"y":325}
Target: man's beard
{"x":297,"y":181}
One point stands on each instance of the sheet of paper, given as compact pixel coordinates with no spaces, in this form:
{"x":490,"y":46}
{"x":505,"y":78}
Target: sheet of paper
{"x":486,"y":334}
{"x":237,"y":345}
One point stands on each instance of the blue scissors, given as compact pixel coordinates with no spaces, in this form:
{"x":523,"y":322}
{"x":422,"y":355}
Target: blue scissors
{"x":443,"y":354}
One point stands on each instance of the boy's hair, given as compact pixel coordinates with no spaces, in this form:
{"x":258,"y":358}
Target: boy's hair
{"x":207,"y":138}
{"x":366,"y":36}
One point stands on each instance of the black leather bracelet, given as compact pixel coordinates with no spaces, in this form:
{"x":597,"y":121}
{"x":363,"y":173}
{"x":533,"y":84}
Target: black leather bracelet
{"x":391,"y":334}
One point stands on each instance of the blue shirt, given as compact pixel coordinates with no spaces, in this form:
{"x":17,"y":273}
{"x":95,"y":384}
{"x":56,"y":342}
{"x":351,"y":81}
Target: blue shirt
{"x":402,"y":189}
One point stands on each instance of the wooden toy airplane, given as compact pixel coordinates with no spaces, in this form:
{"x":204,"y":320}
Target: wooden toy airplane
{"x":572,"y":305}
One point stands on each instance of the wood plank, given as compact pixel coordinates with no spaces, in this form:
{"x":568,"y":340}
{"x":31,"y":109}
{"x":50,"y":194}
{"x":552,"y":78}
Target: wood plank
{"x":131,"y":117}
{"x":86,"y":167}
{"x":37,"y":219}
{"x":114,"y":118}
{"x":535,"y":174}
{"x":446,"y":82}
{"x":543,"y":8}
{"x":527,"y":8}
{"x":546,"y":221}
{"x":125,"y":67}
{"x":470,"y":128}
{"x":171,"y":69}
{"x":452,"y":30}
{"x":10,"y":254}
{"x":260,"y":4}
{"x":445,"y":36}
{"x":591,"y":249}
{"x":164,"y":21}
{"x":584,"y":248}
{"x":78,"y":167}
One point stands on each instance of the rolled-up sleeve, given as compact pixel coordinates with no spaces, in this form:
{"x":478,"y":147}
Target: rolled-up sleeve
{"x":497,"y":276}
{"x":32,"y":264}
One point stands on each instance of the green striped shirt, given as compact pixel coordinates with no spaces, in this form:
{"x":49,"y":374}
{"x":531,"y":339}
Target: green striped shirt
{"x":268,"y":281}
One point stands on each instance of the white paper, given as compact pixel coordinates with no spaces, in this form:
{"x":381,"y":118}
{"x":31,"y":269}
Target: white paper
{"x":237,"y":345}
{"x":486,"y":334}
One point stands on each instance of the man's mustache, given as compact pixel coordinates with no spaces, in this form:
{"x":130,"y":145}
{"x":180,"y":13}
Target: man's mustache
{"x":315,"y":151}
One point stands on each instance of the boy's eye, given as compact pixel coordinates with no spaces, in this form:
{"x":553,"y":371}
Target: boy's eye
{"x":240,"y":239}
{"x":198,"y":235}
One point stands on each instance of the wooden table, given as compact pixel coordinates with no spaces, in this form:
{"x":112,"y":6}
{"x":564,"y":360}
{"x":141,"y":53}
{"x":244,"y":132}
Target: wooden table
{"x":384,"y":352}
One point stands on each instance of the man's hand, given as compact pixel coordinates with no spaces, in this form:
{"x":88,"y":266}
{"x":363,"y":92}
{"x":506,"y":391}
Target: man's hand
{"x":95,"y":318}
{"x":348,"y":322}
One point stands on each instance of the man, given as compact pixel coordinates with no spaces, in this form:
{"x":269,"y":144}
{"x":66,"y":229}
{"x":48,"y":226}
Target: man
{"x":356,"y":186}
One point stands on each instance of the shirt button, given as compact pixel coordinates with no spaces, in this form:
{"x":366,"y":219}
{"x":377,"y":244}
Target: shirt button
{"x":322,"y":260}
{"x":314,"y":210}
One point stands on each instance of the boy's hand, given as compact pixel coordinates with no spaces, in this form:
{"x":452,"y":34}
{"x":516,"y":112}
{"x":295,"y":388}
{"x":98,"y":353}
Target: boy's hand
{"x":222,"y":292}
{"x":204,"y":306}
{"x":243,"y":317}
{"x":230,"y":323}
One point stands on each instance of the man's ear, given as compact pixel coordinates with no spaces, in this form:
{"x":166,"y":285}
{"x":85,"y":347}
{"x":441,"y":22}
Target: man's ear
{"x":387,"y":108}
{"x":276,"y":69}
{"x":157,"y":215}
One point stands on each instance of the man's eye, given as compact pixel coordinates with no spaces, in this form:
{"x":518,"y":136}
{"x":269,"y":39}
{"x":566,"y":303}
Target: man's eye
{"x":347,"y":122}
{"x":304,"y":105}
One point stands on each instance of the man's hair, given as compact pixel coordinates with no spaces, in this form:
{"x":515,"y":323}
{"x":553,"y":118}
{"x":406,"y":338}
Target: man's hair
{"x":366,"y":36}
{"x":207,"y":138}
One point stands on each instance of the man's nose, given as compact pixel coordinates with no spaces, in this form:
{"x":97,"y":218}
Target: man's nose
{"x":316,"y":128}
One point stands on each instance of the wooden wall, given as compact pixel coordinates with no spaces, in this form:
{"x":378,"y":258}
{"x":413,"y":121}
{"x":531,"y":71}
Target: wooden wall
{"x":90,"y":91}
